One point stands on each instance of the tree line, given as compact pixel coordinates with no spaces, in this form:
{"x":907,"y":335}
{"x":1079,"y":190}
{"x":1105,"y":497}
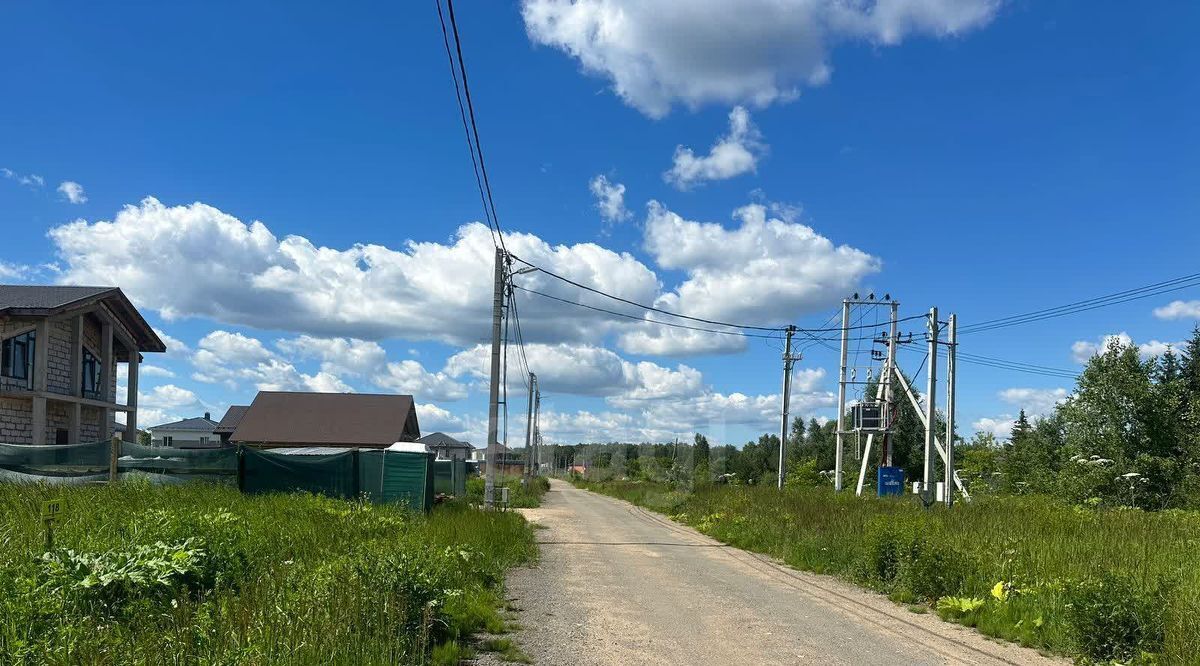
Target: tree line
{"x":1127,"y":435}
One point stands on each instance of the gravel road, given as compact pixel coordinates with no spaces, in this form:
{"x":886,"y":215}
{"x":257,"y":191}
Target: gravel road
{"x":620,"y":585}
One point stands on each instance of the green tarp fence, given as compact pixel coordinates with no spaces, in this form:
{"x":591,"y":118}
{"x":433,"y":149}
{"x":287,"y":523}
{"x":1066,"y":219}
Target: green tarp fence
{"x":379,"y":476}
{"x":168,"y":465}
{"x":450,"y":477}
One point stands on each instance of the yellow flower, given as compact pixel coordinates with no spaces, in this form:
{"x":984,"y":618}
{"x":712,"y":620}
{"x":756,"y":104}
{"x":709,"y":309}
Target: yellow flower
{"x":1000,"y":592}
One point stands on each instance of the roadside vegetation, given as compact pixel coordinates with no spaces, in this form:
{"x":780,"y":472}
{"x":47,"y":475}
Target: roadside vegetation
{"x":201,"y":574}
{"x":521,"y":495}
{"x":1083,"y":537}
{"x":1100,"y":584}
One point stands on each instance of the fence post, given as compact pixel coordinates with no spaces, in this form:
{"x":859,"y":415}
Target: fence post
{"x":241,"y":469}
{"x":114,"y":452}
{"x":355,"y":483}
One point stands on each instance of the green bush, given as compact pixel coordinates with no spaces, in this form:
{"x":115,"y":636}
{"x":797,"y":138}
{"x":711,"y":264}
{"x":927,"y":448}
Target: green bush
{"x":1115,"y":617}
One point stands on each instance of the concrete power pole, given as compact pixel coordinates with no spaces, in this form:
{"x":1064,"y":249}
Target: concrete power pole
{"x":951,"y":370}
{"x":841,"y":415}
{"x":493,"y":451}
{"x":537,"y":431}
{"x":927,"y":487}
{"x":788,"y":359}
{"x":529,"y":427}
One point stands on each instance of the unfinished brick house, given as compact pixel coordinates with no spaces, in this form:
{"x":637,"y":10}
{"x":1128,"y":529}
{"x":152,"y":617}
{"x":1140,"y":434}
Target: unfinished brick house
{"x":59,"y":352}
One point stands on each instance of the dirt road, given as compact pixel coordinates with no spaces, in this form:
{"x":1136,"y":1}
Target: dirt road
{"x":620,"y":585}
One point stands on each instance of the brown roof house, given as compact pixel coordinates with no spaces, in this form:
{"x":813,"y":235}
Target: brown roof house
{"x":359,"y":420}
{"x":60,"y":347}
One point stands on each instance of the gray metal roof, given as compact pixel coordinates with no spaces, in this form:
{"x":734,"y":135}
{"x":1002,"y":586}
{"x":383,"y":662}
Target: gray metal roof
{"x":40,"y":297}
{"x":441,"y":439}
{"x":34,"y":300}
{"x":198,"y":423}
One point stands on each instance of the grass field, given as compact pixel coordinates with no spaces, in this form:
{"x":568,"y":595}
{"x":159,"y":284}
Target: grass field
{"x":1120,"y":585}
{"x":202,"y":574}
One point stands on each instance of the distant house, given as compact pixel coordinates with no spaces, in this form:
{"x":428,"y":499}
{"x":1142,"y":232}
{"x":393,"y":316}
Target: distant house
{"x":358,"y":420}
{"x":59,"y":352}
{"x":194,"y":433}
{"x":446,"y":447}
{"x":229,"y":422}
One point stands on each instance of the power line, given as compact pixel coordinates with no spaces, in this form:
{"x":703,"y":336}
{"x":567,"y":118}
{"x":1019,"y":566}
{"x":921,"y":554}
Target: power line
{"x":470,"y":107}
{"x":643,"y":319}
{"x":463,"y":116}
{"x":1116,"y":298}
{"x":651,"y":308}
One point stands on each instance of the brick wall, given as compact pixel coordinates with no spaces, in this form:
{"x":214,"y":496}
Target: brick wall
{"x":90,"y":429}
{"x":57,"y":417}
{"x":16,"y":418}
{"x":58,"y":361}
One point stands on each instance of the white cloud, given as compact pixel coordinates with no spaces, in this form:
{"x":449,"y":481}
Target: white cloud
{"x":342,"y":356}
{"x":1035,"y":402}
{"x":584,"y":370}
{"x":163,"y":258}
{"x":72,"y":191}
{"x":232,"y":349}
{"x":1083,"y":350}
{"x":1001,"y":426}
{"x":235,"y":360}
{"x":438,"y":419}
{"x":168,"y":396}
{"x":610,"y":199}
{"x":768,"y":271}
{"x":28,"y":180}
{"x":14,"y":272}
{"x":148,"y":370}
{"x":411,"y":377}
{"x":1179,"y":310}
{"x":176,"y":348}
{"x":658,"y":53}
{"x":732,"y":155}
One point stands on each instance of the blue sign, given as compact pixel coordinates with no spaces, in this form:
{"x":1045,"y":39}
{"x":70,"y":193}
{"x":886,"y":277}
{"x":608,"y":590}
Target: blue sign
{"x":891,"y":481}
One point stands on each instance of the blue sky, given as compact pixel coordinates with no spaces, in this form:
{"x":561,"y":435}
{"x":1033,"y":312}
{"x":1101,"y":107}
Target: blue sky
{"x":986,"y":157}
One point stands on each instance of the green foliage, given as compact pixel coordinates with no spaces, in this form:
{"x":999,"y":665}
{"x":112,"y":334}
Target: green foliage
{"x":203,"y":574}
{"x":1115,"y":617}
{"x":964,"y":610}
{"x":520,"y":495}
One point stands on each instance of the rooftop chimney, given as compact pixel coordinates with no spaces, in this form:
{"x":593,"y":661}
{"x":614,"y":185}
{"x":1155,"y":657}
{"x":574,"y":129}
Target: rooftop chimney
{"x":207,"y":416}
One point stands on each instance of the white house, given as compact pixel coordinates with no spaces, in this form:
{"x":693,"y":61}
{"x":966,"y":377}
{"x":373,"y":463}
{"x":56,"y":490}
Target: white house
{"x":195,"y":433}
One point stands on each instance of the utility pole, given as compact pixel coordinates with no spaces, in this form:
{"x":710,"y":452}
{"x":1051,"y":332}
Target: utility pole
{"x":889,"y":374}
{"x":841,"y":415}
{"x":788,"y":359}
{"x":951,"y":369}
{"x":537,"y":431}
{"x":927,"y":489}
{"x":493,"y":456}
{"x":529,"y":427}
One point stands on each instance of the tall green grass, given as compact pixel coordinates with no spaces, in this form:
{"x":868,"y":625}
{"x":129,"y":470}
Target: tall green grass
{"x":1097,"y":584}
{"x":202,"y":574}
{"x":521,"y":494}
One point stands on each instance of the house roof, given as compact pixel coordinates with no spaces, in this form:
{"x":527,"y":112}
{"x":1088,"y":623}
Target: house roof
{"x":198,"y":423}
{"x":442,"y":440}
{"x":233,"y":416}
{"x":48,"y":300}
{"x":328,"y":419}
